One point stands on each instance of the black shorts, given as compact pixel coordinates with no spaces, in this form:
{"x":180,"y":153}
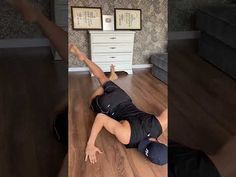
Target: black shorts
{"x":143,"y":128}
{"x":107,"y":102}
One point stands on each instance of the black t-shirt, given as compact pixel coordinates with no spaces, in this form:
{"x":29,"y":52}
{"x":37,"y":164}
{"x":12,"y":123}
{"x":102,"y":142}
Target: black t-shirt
{"x":128,"y":110}
{"x":187,"y":162}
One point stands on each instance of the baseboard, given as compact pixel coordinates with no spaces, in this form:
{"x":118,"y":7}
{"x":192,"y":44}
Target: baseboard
{"x":24,"y":43}
{"x":82,"y":69}
{"x":179,"y":35}
{"x":142,"y":66}
{"x":78,"y":69}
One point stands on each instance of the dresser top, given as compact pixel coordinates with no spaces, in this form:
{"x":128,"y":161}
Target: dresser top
{"x":111,"y":32}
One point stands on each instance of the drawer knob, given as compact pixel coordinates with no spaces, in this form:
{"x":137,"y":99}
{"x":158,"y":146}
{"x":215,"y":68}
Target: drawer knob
{"x":113,"y":38}
{"x":112,"y":47}
{"x":112,"y":57}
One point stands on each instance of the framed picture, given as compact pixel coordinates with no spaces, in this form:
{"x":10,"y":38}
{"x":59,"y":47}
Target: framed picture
{"x":128,"y":19}
{"x":108,"y":22}
{"x":86,"y":18}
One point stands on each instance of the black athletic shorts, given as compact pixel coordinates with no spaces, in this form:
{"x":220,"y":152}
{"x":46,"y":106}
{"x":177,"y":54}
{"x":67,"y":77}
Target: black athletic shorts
{"x":107,"y":102}
{"x":143,"y":128}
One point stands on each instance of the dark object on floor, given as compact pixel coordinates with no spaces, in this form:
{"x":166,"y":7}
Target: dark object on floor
{"x":160,"y":66}
{"x":217,"y":43}
{"x":184,"y":161}
{"x":156,"y":152}
{"x":60,"y":126}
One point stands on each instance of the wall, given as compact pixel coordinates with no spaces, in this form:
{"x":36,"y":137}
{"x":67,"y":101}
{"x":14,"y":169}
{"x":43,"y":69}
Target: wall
{"x":181,"y":12}
{"x":152,"y":38}
{"x":12,"y":24}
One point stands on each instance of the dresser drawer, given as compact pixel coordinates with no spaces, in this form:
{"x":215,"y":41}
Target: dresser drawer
{"x":114,"y":57}
{"x":112,"y":38}
{"x":119,"y":66}
{"x":111,"y":48}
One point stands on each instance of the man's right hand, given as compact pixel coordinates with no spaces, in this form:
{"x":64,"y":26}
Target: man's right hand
{"x":90,"y":153}
{"x":75,"y":51}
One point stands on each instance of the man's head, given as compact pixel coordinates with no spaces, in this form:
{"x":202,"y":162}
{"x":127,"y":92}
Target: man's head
{"x":156,"y":152}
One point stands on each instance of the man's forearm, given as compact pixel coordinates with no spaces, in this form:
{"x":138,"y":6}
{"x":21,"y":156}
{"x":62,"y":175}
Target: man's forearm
{"x":97,"y":127}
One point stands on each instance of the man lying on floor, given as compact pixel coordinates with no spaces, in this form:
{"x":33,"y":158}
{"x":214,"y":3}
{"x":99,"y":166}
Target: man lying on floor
{"x":119,"y":116}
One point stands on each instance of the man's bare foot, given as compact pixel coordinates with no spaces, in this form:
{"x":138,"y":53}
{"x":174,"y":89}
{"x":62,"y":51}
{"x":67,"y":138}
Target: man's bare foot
{"x":27,"y":10}
{"x":75,"y":51}
{"x":113,"y":75}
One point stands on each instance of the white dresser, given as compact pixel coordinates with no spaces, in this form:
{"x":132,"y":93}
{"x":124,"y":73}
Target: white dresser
{"x":60,"y":17}
{"x":112,"y":47}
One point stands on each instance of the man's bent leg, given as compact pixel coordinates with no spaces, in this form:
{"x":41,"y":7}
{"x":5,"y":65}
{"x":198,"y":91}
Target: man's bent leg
{"x":113,"y":75}
{"x":163,"y":119}
{"x":98,"y":91}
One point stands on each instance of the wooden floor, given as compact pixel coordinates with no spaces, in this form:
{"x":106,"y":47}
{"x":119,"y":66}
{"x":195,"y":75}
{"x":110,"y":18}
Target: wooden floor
{"x":202,"y":99}
{"x":31,"y":83}
{"x":147,"y":92}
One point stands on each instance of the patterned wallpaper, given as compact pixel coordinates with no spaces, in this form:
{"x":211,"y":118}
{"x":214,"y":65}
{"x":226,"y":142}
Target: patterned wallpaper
{"x":152,"y":38}
{"x":181,"y":12}
{"x":12,"y":24}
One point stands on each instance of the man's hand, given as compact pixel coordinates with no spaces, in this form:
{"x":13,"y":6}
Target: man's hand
{"x":91,"y":153}
{"x":74,"y":50}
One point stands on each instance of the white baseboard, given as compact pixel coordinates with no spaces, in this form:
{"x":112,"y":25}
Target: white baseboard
{"x":78,"y":69}
{"x":82,"y":69}
{"x":142,"y":66}
{"x":179,"y":35}
{"x":24,"y":43}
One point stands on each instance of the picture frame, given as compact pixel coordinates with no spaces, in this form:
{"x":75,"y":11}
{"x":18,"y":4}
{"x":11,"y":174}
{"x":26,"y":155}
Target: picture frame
{"x":86,"y":18}
{"x":108,"y":22}
{"x":128,"y":19}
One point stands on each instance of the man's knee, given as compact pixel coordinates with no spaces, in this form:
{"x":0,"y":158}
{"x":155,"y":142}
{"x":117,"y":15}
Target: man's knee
{"x":103,"y":79}
{"x":101,"y":117}
{"x":97,"y":92}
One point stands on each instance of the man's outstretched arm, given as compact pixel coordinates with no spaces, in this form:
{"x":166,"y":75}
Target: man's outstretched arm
{"x":121,"y":131}
{"x":96,"y":70}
